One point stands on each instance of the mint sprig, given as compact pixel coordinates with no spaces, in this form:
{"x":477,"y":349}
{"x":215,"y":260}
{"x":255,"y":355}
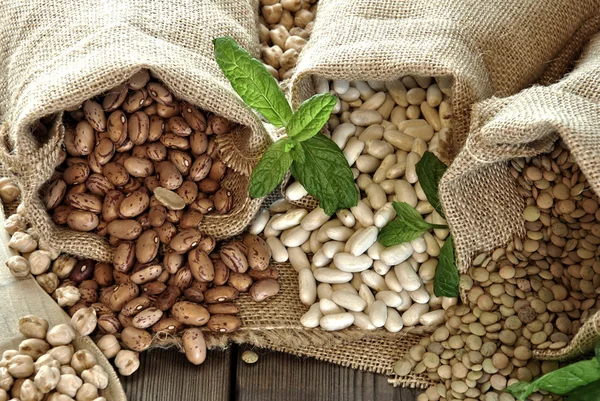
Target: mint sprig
{"x":410,"y":225}
{"x":313,"y":159}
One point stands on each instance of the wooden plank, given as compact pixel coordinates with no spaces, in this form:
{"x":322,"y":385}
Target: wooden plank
{"x":279,"y":376}
{"x":167,"y":375}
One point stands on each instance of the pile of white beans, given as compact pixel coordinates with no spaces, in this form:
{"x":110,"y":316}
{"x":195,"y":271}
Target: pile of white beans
{"x":350,"y":278}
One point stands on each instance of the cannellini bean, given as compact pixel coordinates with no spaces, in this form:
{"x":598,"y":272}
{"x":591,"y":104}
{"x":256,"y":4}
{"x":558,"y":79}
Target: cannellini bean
{"x":367,"y":163}
{"x":336,"y":321}
{"x":314,"y":220}
{"x":378,"y":313}
{"x":420,"y":296}
{"x":375,"y":250}
{"x":361,"y":320}
{"x":278,"y":251}
{"x":313,"y":243}
{"x":419,"y":245}
{"x":307,"y":287}
{"x":399,"y":139}
{"x":349,"y":301}
{"x":298,"y":259}
{"x":352,"y":150}
{"x":427,"y":269}
{"x":398,"y":92}
{"x":324,"y":291}
{"x":372,"y":132}
{"x":391,"y":280}
{"x":348,"y":263}
{"x":432,"y":247}
{"x":384,"y":215}
{"x":342,"y":133}
{"x":378,"y":149}
{"x":373,"y":280}
{"x":260,"y":222}
{"x":362,"y":240}
{"x":405,"y":193}
{"x":365,"y":293}
{"x":376,"y":195}
{"x":351,"y":95}
{"x":269,"y":231}
{"x":319,"y":259}
{"x":394,"y":322}
{"x":340,"y":233}
{"x":396,"y":254}
{"x":290,"y":219}
{"x":340,"y":86}
{"x":433,"y":318}
{"x":322,"y":233}
{"x":294,"y":236}
{"x":411,"y":161}
{"x":328,"y":307}
{"x":441,"y":233}
{"x":311,"y":318}
{"x":295,"y":191}
{"x":374,"y":102}
{"x":390,"y":298}
{"x":386,"y":164}
{"x":413,"y":314}
{"x":332,"y":276}
{"x":407,"y":277}
{"x":406,"y":301}
{"x":348,"y":287}
{"x":381,"y":268}
{"x":363,"y":214}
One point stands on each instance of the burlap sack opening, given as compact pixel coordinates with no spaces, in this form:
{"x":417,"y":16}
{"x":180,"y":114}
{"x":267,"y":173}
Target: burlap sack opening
{"x":57,"y":61}
{"x":483,"y":206}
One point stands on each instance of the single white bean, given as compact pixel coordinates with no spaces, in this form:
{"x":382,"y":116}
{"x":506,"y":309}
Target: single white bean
{"x":354,"y":264}
{"x":448,"y":302}
{"x":363,"y":214}
{"x":331,"y":248}
{"x":399,"y":139}
{"x":406,"y":301}
{"x":390,"y":298}
{"x":441,"y":233}
{"x":322,"y":233}
{"x":424,"y":132}
{"x":419,"y":245}
{"x":348,"y":287}
{"x":378,"y":313}
{"x":346,"y":217}
{"x":340,"y":233}
{"x":432,"y":247}
{"x":298,"y":259}
{"x":420,"y":296}
{"x":270,"y":231}
{"x":374,"y":131}
{"x":374,"y":102}
{"x":290,"y":219}
{"x":434,"y":95}
{"x":419,"y":146}
{"x":349,"y":301}
{"x":411,"y":173}
{"x":295,"y":191}
{"x":384,"y":215}
{"x":278,"y":251}
{"x":307,"y":287}
{"x":324,"y":291}
{"x":391,"y":280}
{"x":367,"y":163}
{"x":319,"y":259}
{"x":336,"y":321}
{"x":352,"y":150}
{"x":405,"y":193}
{"x":314,"y":220}
{"x":396,"y":254}
{"x":332,"y":276}
{"x":328,"y":307}
{"x":375,"y":250}
{"x":365,"y":90}
{"x":424,"y":207}
{"x":311,"y":318}
{"x":351,"y":95}
{"x":398,"y":92}
{"x":433,"y":318}
{"x":314,"y":243}
{"x":280,"y":206}
{"x":373,"y":280}
{"x":376,"y":195}
{"x":365,"y":293}
{"x":386,"y":164}
{"x":413,"y":314}
{"x":321,"y":84}
{"x":420,"y":257}
{"x":342,"y":133}
{"x":379,"y":149}
{"x":381,"y":268}
{"x":260,"y":222}
{"x":341,"y":86}
{"x":362,"y":240}
{"x":427,"y":269}
{"x":407,"y":277}
{"x":396,"y":171}
{"x":394,"y":322}
{"x":294,"y":236}
{"x":362,"y":321}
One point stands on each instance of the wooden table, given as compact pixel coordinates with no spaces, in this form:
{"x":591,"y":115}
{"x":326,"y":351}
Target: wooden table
{"x":165,"y":375}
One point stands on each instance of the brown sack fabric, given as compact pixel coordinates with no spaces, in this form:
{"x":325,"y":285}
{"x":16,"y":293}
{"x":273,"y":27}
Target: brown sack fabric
{"x":54,"y":55}
{"x":24,"y":297}
{"x":478,"y":186}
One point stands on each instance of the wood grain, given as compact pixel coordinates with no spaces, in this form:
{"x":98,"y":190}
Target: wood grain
{"x":167,"y":375}
{"x":279,"y":376}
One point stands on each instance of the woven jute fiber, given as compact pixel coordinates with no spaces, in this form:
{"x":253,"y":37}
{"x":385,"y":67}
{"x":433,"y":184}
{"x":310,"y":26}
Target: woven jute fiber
{"x":57,"y":54}
{"x":20,"y":297}
{"x":478,"y":186}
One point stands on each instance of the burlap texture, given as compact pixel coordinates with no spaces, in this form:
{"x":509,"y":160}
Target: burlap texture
{"x":478,"y":186}
{"x":20,"y":297}
{"x":57,"y":54}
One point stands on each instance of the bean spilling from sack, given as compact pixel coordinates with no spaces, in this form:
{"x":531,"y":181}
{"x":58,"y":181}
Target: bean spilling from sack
{"x":532,"y":295}
{"x":351,"y":279}
{"x":142,"y":169}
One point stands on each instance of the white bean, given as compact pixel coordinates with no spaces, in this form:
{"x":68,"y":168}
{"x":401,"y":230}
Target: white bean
{"x":351,"y":95}
{"x":373,"y":280}
{"x":328,"y":307}
{"x":419,"y":146}
{"x":413,"y":314}
{"x":349,"y":301}
{"x":379,"y":149}
{"x":363,"y":214}
{"x":433,"y":318}
{"x":419,"y":245}
{"x":295,"y":191}
{"x":405,"y":193}
{"x":391,"y":280}
{"x":314,"y":219}
{"x":390,"y":298}
{"x":374,"y":102}
{"x":340,"y":86}
{"x":314,"y":243}
{"x":424,"y":207}
{"x":321,"y":84}
{"x":420,"y":296}
{"x":406,"y":301}
{"x":269,"y":231}
{"x":331,"y":248}
{"x":384,"y":215}
{"x":352,"y":150}
{"x":378,"y":313}
{"x":346,"y":217}
{"x":376,"y":195}
{"x":298,"y":259}
{"x":411,"y":173}
{"x":278,"y":251}
{"x":427,"y":269}
{"x":398,"y":92}
{"x":354,"y":264}
{"x":280,"y":206}
{"x":290,"y":219}
{"x":388,"y":162}
{"x":260,"y":222}
{"x":311,"y":318}
{"x":307,"y":287}
{"x":424,"y":132}
{"x":375,"y":250}
{"x":374,"y":131}
{"x":396,"y":254}
{"x":342,"y":133}
{"x":332,"y":276}
{"x":381,"y":268}
{"x":407,"y":277}
{"x":348,"y":287}
{"x":367,"y":163}
{"x":362,"y":240}
{"x":336,"y":321}
{"x":324,"y":291}
{"x":394,"y":322}
{"x":322,"y":233}
{"x":340,"y":233}
{"x":365,"y":293}
{"x":294,"y":236}
{"x":399,"y":139}
{"x":361,"y":320}
{"x":319,"y":259}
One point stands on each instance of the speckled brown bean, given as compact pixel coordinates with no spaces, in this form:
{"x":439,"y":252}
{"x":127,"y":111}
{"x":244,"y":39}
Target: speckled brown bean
{"x":224,"y":323}
{"x":84,"y":139}
{"x":84,"y":270}
{"x":182,"y":160}
{"x":56,"y":193}
{"x":124,"y":229}
{"x":159,"y":93}
{"x":134,"y":204}
{"x":94,"y":114}
{"x":166,"y":232}
{"x":217,"y":170}
{"x":191,"y":219}
{"x":147,"y":245}
{"x":173,"y":261}
{"x":264,"y":289}
{"x":98,"y":184}
{"x":200,"y":168}
{"x":136,"y":339}
{"x":109,"y":324}
{"x":104,"y":151}
{"x":188,"y":191}
{"x":167,"y":298}
{"x":115,"y":173}
{"x":157,"y":215}
{"x":134,"y":101}
{"x":222,"y":293}
{"x":76,"y":174}
{"x":259,"y":255}
{"x":234,"y":258}
{"x":190,"y":313}
{"x":144,"y":274}
{"x":173,"y":141}
{"x":138,"y":127}
{"x":103,"y":274}
{"x":153,"y":288}
{"x":84,"y":201}
{"x":195,"y":293}
{"x":182,"y":279}
{"x":223,"y":201}
{"x":120,"y":277}
{"x":122,"y":294}
{"x":168,"y":175}
{"x":207,"y":244}
{"x":136,"y":305}
{"x":61,"y":214}
{"x":167,"y":325}
{"x":185,"y":240}
{"x":139,"y":167}
{"x":114,"y":98}
{"x":179,"y":126}
{"x":219,"y":125}
{"x":201,"y":265}
{"x":111,"y":205}
{"x":221,"y":272}
{"x":124,"y":256}
{"x":157,"y":127}
{"x":156,"y":151}
{"x":147,"y":318}
{"x":82,"y":221}
{"x":193,"y":117}
{"x":194,"y":346}
{"x":209,"y":186}
{"x":198,"y":143}
{"x":225,"y":308}
{"x":240,"y":281}
{"x":117,"y":127}
{"x":166,"y":111}
{"x":203,"y":205}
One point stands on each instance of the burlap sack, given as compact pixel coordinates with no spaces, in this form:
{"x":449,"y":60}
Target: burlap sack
{"x":25,"y":297}
{"x":57,"y":54}
{"x":482,"y":204}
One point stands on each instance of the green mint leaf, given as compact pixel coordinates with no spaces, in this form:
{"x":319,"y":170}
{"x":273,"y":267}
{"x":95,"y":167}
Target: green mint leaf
{"x":311,"y":116}
{"x":251,"y":80}
{"x":270,"y":170}
{"x":297,"y":153}
{"x":430,"y":170}
{"x":325,"y":174}
{"x":445,"y":281}
{"x":590,"y":392}
{"x":408,"y":226}
{"x":561,"y":381}
{"x":289,"y":145}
